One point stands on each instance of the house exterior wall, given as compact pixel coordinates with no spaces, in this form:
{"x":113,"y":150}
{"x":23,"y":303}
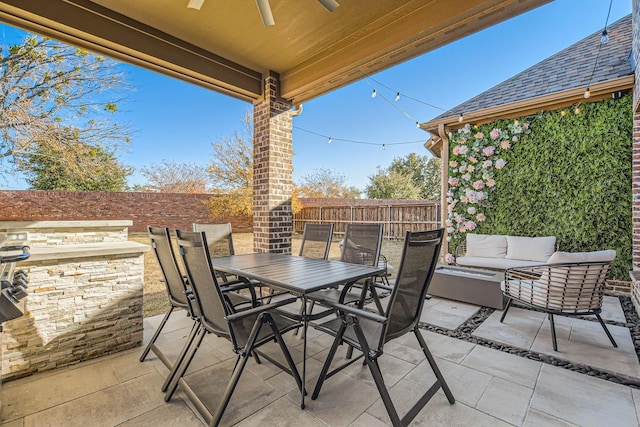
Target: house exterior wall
{"x":272,"y":171}
{"x":635,"y":181}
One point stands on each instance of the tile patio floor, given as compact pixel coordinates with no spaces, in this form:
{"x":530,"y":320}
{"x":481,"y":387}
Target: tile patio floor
{"x":492,"y":388}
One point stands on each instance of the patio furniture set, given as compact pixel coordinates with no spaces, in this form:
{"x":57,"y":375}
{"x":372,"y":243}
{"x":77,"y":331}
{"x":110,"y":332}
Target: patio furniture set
{"x":494,"y":270}
{"x":250,"y":319}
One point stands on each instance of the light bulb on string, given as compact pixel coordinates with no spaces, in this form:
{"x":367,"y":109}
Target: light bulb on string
{"x":374,"y":93}
{"x":384,"y":146}
{"x":398,"y":96}
{"x":587,"y":93}
{"x":604,"y":37}
{"x":330,"y":140}
{"x":418,"y":125}
{"x":460,"y":118}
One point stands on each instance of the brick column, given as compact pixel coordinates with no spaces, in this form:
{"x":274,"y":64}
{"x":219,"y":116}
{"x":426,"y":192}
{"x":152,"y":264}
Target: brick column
{"x":272,"y":169}
{"x":635,"y":180}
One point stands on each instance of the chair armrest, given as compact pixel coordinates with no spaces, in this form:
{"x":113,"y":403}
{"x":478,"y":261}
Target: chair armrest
{"x":257,"y":310}
{"x":352,"y":311}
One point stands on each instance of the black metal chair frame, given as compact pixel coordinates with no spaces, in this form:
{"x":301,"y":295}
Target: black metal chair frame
{"x":318,"y":233}
{"x":353,"y":327}
{"x":224,"y":322}
{"x":559,"y":283}
{"x":176,"y":286}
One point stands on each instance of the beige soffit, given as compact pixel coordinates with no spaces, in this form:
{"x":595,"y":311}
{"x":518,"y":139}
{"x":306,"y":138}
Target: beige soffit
{"x":224,"y":46}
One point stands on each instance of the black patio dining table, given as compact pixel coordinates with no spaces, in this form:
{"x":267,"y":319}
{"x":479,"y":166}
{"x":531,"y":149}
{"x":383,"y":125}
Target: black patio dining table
{"x":298,"y":275}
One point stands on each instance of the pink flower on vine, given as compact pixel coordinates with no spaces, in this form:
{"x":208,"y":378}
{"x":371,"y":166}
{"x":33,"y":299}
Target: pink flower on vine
{"x":494,"y":133}
{"x":473,"y":159}
{"x":459,"y":219}
{"x":454,"y":181}
{"x":449,"y":258}
{"x":478,"y":185}
{"x":489,"y":150}
{"x":480,"y":217}
{"x":487,"y":164}
{"x":456,"y":150}
{"x":490,"y":182}
{"x":470,"y":225}
{"x":462,"y":228}
{"x":479,"y":135}
{"x":453,"y":164}
{"x":505,"y":145}
{"x":500,"y":163}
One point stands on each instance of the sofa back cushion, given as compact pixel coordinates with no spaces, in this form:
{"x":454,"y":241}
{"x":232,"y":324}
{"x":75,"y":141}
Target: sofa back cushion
{"x":530,"y":248}
{"x":486,"y":245}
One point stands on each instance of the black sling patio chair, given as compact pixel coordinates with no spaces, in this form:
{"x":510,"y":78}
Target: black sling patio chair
{"x":246,"y":330}
{"x":316,"y":241}
{"x":369,"y":332}
{"x":361,"y":245}
{"x":177,"y":288}
{"x":180,"y":296}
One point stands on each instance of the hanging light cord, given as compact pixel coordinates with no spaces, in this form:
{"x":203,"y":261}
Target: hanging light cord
{"x":328,"y":137}
{"x":606,"y":22}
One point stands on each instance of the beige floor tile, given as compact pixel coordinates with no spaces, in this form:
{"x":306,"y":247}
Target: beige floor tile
{"x":171,"y":414}
{"x":128,"y":366}
{"x":506,"y":400}
{"x":392,"y":368}
{"x":52,"y":390}
{"x":518,"y":329}
{"x":612,"y":309}
{"x":366,"y":420}
{"x":467,"y":384}
{"x":108,"y":407}
{"x":445,"y":347}
{"x":635,"y":393}
{"x":448,"y":314}
{"x":281,"y":413}
{"x":14,"y":423}
{"x":583,"y":400}
{"x":341,"y":401}
{"x":503,"y":365}
{"x":537,"y":418}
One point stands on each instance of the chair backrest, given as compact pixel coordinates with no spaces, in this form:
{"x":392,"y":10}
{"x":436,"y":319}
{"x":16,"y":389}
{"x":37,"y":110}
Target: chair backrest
{"x":208,"y":297}
{"x":362,"y":244}
{"x":419,"y":259}
{"x":219,"y":238}
{"x":316,"y":240}
{"x":161,"y":244}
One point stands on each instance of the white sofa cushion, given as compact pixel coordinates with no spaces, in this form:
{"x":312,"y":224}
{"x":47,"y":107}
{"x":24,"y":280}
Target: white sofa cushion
{"x":530,"y":248}
{"x":596,"y":256}
{"x":486,"y":245}
{"x":494,"y":263}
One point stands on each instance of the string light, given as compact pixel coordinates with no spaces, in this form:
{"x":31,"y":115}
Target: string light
{"x":398,"y":96}
{"x":374,"y":93}
{"x":352,"y":141}
{"x":418,"y":125}
{"x":384,"y":146}
{"x":330,"y":140}
{"x":460,"y":118}
{"x":604,"y":38}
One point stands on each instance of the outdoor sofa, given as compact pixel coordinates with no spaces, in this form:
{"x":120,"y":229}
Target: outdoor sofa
{"x":500,"y":252}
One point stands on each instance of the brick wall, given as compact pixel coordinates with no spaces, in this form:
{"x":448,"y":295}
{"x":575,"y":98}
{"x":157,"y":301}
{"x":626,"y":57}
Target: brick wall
{"x":162,"y":209}
{"x":635,"y":180}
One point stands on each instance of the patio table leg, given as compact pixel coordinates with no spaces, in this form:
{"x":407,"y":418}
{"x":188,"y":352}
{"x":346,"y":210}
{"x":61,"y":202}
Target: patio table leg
{"x":305,"y":326}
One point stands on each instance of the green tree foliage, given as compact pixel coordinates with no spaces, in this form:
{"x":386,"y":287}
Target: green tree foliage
{"x":172,"y":177}
{"x":424,"y":171}
{"x":47,"y":170}
{"x":386,"y":184}
{"x":570,"y":178}
{"x":53,"y":98}
{"x":324,"y":183}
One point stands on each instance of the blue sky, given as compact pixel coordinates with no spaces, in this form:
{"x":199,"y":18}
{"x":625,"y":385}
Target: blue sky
{"x":178,"y":121}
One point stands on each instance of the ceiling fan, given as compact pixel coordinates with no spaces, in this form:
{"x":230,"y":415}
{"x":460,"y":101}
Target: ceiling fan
{"x":265,"y":8}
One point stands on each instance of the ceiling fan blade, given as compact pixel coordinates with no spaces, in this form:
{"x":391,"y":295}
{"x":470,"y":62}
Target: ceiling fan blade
{"x":195,"y":4}
{"x":330,"y":5}
{"x":265,"y":12}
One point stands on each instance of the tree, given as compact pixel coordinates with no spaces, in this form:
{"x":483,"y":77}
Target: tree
{"x":171,"y":177}
{"x":386,"y":184}
{"x":421,"y":172}
{"x":54,"y":98}
{"x":231,"y":173}
{"x":325,"y":183}
{"x":424,"y":172}
{"x":47,"y":170}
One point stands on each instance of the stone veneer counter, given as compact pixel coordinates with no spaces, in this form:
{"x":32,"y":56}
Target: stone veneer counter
{"x":84,"y":297}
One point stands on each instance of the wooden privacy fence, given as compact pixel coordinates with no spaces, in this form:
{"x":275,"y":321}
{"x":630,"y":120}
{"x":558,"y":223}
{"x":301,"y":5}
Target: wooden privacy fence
{"x":398,"y":216}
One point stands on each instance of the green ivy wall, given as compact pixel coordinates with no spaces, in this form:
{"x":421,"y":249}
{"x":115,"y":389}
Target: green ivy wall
{"x":570,"y":177}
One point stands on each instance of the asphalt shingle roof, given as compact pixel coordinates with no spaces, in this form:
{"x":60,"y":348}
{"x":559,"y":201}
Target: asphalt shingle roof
{"x":568,"y":69}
